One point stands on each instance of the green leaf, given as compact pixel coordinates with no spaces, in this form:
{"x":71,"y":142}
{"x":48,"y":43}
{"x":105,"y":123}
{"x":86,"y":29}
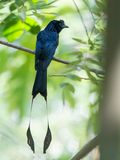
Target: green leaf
{"x":35,"y":29}
{"x":70,"y":99}
{"x":68,"y":86}
{"x":13,"y":6}
{"x":10,"y":20}
{"x":31,"y":25}
{"x":42,"y":5}
{"x":19,"y":2}
{"x":14,"y":32}
{"x":80,"y":40}
{"x":92,"y":78}
{"x":67,"y":94}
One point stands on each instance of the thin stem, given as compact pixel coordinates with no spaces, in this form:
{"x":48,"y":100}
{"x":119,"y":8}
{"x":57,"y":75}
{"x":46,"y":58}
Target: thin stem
{"x":81,"y":19}
{"x":63,"y":75}
{"x":92,"y":30}
{"x":86,"y":3}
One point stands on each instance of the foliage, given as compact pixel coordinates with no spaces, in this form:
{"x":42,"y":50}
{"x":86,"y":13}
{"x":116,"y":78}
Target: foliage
{"x":20,"y":18}
{"x":21,"y":21}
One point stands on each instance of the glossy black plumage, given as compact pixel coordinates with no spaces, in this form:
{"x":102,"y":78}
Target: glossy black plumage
{"x":46,"y":44}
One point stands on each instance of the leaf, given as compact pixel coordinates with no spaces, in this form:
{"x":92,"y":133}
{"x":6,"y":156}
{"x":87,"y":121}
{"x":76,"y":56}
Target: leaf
{"x":100,"y":4}
{"x":42,"y":5}
{"x":68,"y":86}
{"x":70,"y":98}
{"x":68,"y":91}
{"x":92,"y":78}
{"x":19,"y":2}
{"x":12,"y":7}
{"x":12,"y":27}
{"x":31,"y":25}
{"x":35,"y":29}
{"x":30,"y":140}
{"x":10,"y":21}
{"x":79,"y":40}
{"x":47,"y":140}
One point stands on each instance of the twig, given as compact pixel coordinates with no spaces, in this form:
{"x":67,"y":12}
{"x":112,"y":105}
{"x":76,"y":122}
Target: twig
{"x":81,"y":19}
{"x":63,"y":75}
{"x":29,"y":51}
{"x":87,"y":148}
{"x":32,"y":52}
{"x":89,"y":8}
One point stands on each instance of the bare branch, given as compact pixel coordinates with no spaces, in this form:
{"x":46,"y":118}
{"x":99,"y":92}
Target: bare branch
{"x":29,"y":51}
{"x":87,"y":148}
{"x":97,"y":72}
{"x":64,"y":75}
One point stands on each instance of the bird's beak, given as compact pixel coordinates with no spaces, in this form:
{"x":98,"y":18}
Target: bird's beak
{"x":65,"y":26}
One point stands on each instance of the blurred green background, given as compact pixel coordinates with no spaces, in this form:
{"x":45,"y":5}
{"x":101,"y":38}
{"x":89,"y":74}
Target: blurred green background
{"x":73,"y":89}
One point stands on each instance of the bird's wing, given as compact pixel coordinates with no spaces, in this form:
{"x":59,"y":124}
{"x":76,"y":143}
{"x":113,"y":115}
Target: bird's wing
{"x":38,"y":49}
{"x":45,"y":48}
{"x":38,"y":44}
{"x":49,"y":50}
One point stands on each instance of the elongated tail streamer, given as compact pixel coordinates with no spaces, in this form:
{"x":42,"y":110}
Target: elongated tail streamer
{"x":48,"y":137}
{"x":30,"y":140}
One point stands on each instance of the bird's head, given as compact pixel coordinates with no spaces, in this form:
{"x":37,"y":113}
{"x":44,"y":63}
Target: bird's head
{"x":56,"y":26}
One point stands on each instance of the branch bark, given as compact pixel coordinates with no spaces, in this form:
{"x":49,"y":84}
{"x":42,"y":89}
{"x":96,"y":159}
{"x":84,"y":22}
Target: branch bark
{"x":29,"y":51}
{"x":97,"y":72}
{"x":87,"y":148}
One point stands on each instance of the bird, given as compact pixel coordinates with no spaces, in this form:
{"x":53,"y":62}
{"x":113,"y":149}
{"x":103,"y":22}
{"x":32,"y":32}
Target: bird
{"x":46,"y":45}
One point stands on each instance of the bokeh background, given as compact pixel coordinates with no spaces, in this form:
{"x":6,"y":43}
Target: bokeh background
{"x":73,"y":89}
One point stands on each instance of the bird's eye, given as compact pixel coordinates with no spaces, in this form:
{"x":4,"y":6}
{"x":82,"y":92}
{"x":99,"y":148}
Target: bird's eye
{"x":61,"y":23}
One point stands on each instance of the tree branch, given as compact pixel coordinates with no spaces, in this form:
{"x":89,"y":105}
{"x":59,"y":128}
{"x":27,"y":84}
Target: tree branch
{"x":64,"y":75}
{"x":29,"y":51}
{"x":87,"y":148}
{"x":97,"y":72}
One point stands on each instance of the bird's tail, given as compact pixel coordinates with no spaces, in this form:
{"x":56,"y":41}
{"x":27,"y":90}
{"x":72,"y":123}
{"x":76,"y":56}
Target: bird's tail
{"x":40,"y":83}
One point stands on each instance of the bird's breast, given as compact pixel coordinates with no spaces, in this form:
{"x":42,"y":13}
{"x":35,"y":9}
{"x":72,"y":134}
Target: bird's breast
{"x":49,"y":42}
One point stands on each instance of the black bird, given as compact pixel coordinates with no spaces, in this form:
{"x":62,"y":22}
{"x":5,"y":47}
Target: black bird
{"x":46,"y":44}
